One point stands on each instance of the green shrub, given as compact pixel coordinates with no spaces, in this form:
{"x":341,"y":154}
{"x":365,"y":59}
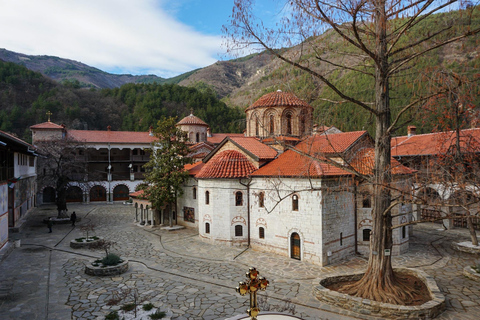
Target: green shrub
{"x":157,"y":315}
{"x":112,"y":316}
{"x":147,"y":306}
{"x":128,"y":307}
{"x":111,"y":260}
{"x":79,"y":239}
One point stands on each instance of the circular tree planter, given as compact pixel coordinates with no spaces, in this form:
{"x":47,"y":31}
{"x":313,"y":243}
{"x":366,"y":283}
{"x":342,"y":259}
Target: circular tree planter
{"x":429,"y":309}
{"x":471,"y":273}
{"x":466,"y":247}
{"x":92,"y":241}
{"x":101,"y":271}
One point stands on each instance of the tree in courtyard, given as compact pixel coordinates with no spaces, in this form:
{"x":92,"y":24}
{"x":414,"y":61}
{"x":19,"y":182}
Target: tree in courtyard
{"x":62,"y":164}
{"x":456,"y":168}
{"x":165,"y":172}
{"x":378,"y":40}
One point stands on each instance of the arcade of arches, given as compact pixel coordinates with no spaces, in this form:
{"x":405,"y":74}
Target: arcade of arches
{"x":96,"y":194}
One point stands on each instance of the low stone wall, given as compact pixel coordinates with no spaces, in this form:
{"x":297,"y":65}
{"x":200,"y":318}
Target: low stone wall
{"x":468,"y":249}
{"x":427,"y":310}
{"x":82,"y":245}
{"x":470,"y":273}
{"x":108,"y":270}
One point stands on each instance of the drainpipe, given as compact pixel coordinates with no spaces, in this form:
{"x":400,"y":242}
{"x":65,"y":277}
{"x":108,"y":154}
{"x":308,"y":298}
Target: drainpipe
{"x":355,"y":208}
{"x":247,"y":185}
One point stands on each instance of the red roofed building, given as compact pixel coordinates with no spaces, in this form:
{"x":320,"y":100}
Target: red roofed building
{"x":115,"y":162}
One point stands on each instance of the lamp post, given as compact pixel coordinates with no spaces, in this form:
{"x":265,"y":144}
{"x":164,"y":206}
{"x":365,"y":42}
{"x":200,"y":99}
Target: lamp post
{"x":252,"y":285}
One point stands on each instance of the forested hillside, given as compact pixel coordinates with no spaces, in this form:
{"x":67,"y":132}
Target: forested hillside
{"x":26,"y":96}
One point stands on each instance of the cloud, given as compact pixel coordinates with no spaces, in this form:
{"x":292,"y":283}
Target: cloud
{"x":122,"y":35}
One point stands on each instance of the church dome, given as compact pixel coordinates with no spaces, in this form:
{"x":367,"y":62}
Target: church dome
{"x":192,"y":120}
{"x":279,"y":98}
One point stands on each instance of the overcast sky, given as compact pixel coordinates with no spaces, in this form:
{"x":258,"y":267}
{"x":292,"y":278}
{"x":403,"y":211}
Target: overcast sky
{"x":162,"y":37}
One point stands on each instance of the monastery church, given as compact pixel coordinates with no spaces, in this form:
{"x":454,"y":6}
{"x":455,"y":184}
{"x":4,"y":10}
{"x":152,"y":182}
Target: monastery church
{"x":252,"y":190}
{"x":265,"y":189}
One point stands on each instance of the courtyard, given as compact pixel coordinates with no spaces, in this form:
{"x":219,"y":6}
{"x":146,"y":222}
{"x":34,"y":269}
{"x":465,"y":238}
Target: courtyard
{"x":190,"y":279}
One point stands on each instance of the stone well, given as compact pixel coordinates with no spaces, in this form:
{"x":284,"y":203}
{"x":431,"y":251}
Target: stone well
{"x":428,"y":310}
{"x":107,"y":270}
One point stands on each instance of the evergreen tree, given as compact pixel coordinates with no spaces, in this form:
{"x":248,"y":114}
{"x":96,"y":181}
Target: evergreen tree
{"x":165,"y":170}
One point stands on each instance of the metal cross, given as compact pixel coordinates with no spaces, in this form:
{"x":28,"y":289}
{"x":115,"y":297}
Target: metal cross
{"x":252,"y":285}
{"x":49,"y":114}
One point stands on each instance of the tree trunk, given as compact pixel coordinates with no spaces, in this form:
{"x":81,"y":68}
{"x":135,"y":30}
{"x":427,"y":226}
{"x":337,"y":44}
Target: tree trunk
{"x":61,"y":203}
{"x":379,"y":282}
{"x":471,"y":229}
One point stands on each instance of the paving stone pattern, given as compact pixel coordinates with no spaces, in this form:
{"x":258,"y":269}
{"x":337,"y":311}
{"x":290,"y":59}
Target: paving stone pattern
{"x":191,"y":279}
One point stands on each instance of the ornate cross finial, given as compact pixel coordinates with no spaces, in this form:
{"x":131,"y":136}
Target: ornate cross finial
{"x":252,"y":285}
{"x":49,"y":114}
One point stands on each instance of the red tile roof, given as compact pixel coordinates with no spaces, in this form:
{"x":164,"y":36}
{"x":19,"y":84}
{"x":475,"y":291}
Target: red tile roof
{"x":281,"y":138}
{"x":140,"y":194}
{"x":47,"y":125}
{"x":330,"y":143}
{"x":216,"y":138}
{"x":7,"y":135}
{"x":127,"y":137}
{"x":254,"y":146}
{"x":227,"y":164}
{"x":292,"y":164}
{"x":435,"y":143}
{"x":279,"y":98}
{"x":191,"y":119}
{"x":194,"y":168}
{"x":364,"y":163}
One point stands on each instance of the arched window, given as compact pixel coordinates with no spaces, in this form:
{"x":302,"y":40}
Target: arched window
{"x":294,"y":202}
{"x":197,"y":137}
{"x":261,"y":199}
{"x":404,"y":232}
{"x":366,"y":234}
{"x":272,"y":124}
{"x":238,"y":231}
{"x":289,"y":123}
{"x":366,"y":201}
{"x":257,"y":127}
{"x":207,"y":227}
{"x":194,"y":191}
{"x":207,"y":197}
{"x":238,"y":198}
{"x":261,"y":233}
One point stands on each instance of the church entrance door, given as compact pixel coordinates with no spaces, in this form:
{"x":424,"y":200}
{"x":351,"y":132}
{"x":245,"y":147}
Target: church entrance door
{"x":295,"y":246}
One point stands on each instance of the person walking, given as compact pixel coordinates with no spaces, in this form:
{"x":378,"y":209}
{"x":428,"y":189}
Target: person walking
{"x":50,"y":225}
{"x":73,"y":218}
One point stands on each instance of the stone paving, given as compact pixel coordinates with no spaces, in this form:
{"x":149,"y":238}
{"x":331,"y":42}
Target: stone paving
{"x":190,"y":279}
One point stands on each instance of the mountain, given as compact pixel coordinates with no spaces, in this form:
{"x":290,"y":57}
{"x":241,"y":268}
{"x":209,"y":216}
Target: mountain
{"x":60,"y":69}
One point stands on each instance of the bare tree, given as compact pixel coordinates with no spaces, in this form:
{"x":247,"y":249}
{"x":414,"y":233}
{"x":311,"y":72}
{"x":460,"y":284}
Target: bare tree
{"x":62,"y":164}
{"x":375,"y":39}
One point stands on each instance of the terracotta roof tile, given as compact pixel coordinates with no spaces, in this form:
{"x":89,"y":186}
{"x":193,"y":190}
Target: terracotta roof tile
{"x":227,"y":164}
{"x":191,"y":119}
{"x":364,"y":162}
{"x":254,"y":146}
{"x":15,"y":139}
{"x":330,"y":143}
{"x":435,"y":143}
{"x":292,"y":164}
{"x":140,"y":194}
{"x":94,"y":136}
{"x":194,"y":168}
{"x":216,"y":138}
{"x":47,"y":125}
{"x":279,"y":98}
{"x":281,"y":139}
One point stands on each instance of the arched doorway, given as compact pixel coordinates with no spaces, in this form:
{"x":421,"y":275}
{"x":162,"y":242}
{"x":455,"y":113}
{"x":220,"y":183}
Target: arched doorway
{"x":295,"y":251}
{"x":120,"y":193}
{"x":98,"y":193}
{"x":74,"y":194}
{"x":48,"y":195}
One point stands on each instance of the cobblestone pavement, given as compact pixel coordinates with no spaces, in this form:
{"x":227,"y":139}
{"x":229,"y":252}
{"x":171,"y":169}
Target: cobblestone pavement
{"x":191,"y":279}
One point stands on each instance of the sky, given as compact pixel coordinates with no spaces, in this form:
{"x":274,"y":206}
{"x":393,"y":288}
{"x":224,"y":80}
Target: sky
{"x":161,"y":37}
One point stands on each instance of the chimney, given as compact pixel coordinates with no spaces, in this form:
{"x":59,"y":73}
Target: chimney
{"x":109,"y":128}
{"x":150,"y":131}
{"x":411,"y":130}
